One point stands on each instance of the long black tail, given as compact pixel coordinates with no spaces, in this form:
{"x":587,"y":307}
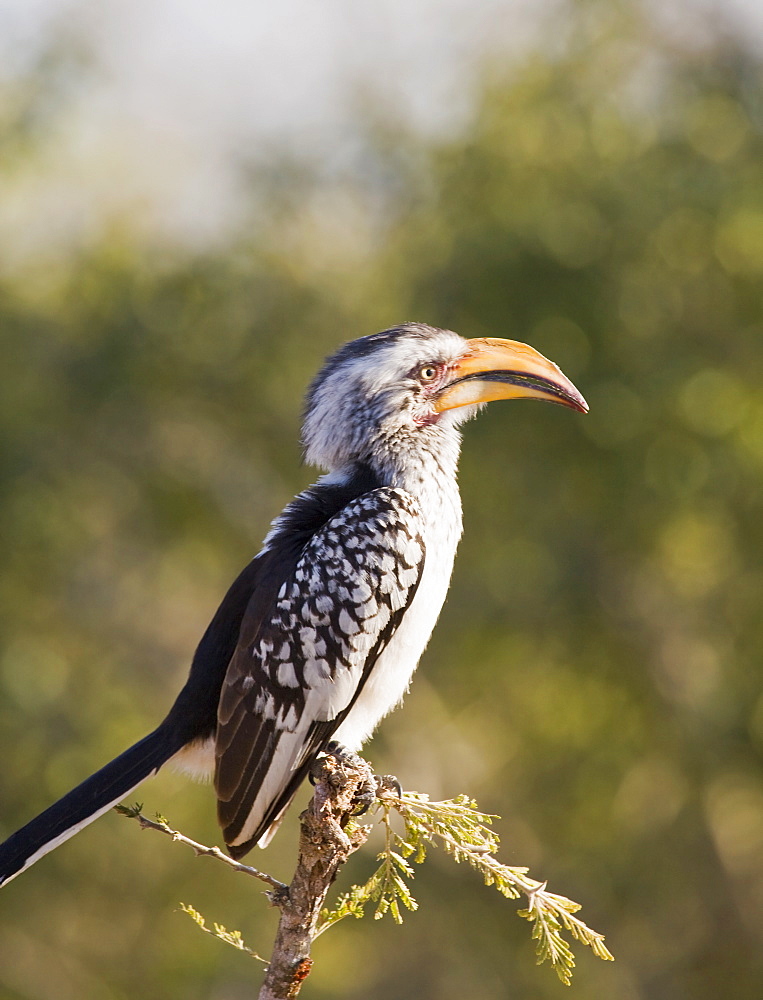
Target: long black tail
{"x":86,"y":802}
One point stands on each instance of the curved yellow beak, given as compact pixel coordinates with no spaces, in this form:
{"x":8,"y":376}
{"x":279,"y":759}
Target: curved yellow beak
{"x":506,"y":369}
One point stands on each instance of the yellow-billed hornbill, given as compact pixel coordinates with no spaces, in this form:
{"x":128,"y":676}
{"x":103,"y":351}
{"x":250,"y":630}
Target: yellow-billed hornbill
{"x":319,"y":636}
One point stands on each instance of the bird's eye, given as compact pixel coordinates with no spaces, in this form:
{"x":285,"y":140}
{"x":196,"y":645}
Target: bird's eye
{"x":428,"y":373}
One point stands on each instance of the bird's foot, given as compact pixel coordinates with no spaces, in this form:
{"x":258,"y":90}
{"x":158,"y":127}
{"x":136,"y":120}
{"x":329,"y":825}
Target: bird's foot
{"x":366,"y":794}
{"x":377,"y":786}
{"x":342,"y":756}
{"x":386,"y":785}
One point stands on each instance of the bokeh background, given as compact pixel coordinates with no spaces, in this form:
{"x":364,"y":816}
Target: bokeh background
{"x":197,"y":203}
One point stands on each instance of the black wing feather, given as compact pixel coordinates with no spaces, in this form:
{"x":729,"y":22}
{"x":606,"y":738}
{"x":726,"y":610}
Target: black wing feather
{"x":295,"y":676}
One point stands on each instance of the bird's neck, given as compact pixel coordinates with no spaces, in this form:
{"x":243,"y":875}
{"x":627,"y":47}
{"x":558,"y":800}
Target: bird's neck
{"x":427,"y":467}
{"x":414,"y":468}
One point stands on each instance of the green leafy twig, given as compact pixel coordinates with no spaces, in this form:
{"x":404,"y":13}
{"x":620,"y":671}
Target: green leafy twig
{"x":386,"y":887}
{"x":465,"y":833}
{"x":232,"y":938}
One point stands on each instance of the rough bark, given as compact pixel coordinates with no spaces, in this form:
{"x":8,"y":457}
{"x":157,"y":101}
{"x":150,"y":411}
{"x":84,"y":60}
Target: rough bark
{"x":324,"y":847}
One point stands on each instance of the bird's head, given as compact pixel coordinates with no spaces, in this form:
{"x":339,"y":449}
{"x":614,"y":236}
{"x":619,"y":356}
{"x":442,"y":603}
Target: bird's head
{"x":408,"y":386}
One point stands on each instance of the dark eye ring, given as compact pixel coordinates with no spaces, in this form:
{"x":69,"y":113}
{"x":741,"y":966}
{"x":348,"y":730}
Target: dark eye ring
{"x":428,"y":373}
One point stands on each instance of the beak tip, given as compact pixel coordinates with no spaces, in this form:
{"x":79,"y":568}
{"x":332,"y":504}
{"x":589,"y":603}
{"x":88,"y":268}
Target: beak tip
{"x":572,"y":396}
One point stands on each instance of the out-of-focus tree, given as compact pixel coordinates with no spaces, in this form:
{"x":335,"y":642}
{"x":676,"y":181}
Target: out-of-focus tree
{"x":596,"y":675}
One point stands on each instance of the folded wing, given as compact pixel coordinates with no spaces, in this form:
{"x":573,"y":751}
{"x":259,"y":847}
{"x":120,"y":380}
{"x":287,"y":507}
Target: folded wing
{"x":298,"y":669}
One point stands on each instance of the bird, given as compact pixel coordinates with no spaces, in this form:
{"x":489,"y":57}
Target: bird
{"x":318,"y":637}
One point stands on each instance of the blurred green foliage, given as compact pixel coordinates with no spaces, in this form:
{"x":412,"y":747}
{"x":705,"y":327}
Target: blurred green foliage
{"x":595,"y":677}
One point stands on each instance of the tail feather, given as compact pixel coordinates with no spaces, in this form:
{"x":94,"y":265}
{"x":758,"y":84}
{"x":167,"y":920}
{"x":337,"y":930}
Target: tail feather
{"x":86,"y":802}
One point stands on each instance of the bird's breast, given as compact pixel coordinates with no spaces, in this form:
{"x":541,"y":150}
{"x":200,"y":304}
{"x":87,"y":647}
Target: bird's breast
{"x":391,"y":675}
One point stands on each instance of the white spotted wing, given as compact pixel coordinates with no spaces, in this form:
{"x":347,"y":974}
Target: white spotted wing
{"x":290,"y":684}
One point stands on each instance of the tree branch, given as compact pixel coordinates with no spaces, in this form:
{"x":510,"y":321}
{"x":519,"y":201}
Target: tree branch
{"x":342,"y":779}
{"x":324,"y":846}
{"x":200,"y":850}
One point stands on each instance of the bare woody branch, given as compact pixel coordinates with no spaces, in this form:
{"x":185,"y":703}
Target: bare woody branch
{"x":324,"y":846}
{"x":202,"y":851}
